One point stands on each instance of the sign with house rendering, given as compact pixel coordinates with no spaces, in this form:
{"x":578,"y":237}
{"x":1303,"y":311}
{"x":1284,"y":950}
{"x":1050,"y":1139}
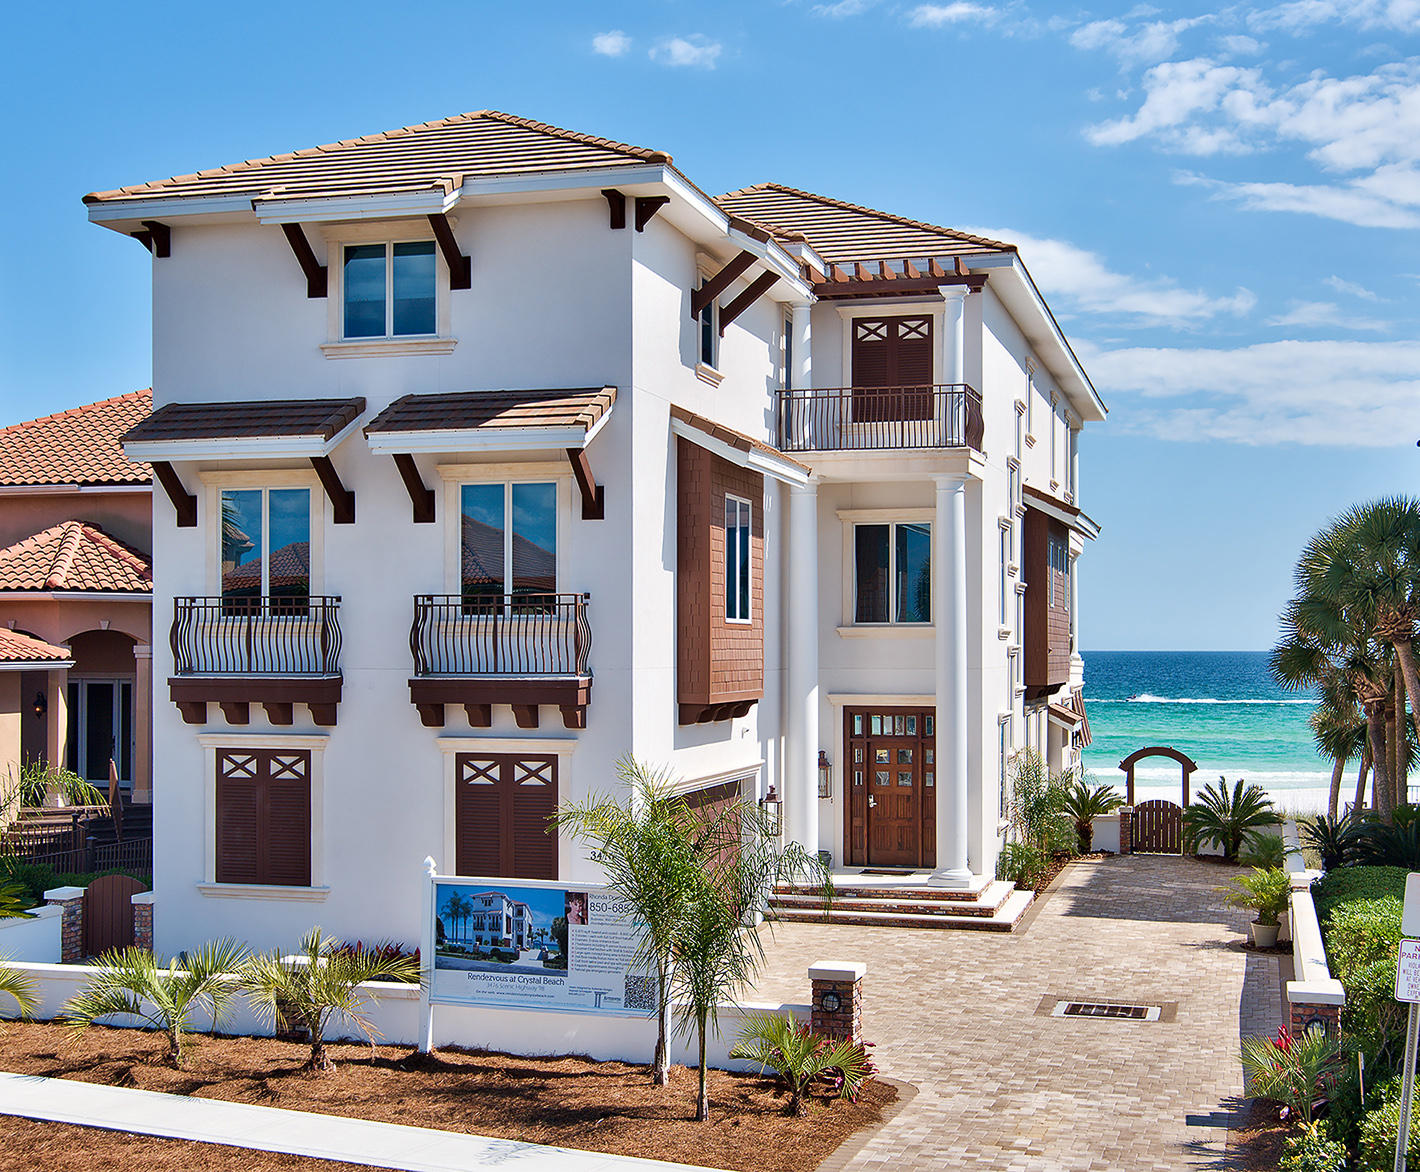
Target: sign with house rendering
{"x":528,"y":944}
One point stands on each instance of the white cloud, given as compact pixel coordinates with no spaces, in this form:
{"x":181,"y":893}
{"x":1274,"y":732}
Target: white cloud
{"x":696,"y":52}
{"x":1239,"y":45}
{"x":843,"y":8}
{"x":1351,"y":289}
{"x":1302,"y":16}
{"x":613,"y":44}
{"x":1132,"y":46}
{"x":1346,"y":393}
{"x":1348,"y":203}
{"x":1314,"y":314}
{"x":1178,"y":94}
{"x":958,"y":12}
{"x":1080,"y":281}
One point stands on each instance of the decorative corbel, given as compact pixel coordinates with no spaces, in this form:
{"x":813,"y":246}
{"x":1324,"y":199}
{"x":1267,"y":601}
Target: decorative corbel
{"x":646,"y":207}
{"x":156,"y":237}
{"x":420,"y":496}
{"x":593,"y":494}
{"x":184,"y":503}
{"x":712,"y":288}
{"x":316,"y":275}
{"x":342,"y":500}
{"x":616,"y":207}
{"x":460,"y":266}
{"x":757,"y":289}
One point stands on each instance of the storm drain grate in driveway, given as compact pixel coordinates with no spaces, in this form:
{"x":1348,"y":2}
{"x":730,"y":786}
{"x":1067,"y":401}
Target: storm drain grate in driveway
{"x":1105,"y":1009}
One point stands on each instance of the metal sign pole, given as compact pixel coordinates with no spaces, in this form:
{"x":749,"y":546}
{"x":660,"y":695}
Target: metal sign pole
{"x":1402,"y":1134}
{"x":427,"y":944}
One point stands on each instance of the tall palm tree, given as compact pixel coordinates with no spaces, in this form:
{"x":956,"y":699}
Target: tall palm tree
{"x":1339,"y":730}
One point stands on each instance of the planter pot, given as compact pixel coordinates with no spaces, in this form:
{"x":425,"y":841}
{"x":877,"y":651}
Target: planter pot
{"x":1264,"y":935}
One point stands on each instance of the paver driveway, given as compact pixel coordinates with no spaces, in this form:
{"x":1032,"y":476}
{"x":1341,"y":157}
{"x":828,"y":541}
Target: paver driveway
{"x":1001,"y":1086}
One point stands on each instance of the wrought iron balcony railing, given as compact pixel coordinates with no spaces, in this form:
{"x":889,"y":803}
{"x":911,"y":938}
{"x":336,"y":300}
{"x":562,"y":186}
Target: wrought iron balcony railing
{"x":256,"y":635}
{"x":837,"y":419}
{"x":510,"y":635}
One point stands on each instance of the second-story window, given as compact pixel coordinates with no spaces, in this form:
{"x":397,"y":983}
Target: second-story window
{"x":737,"y":567}
{"x":892,"y":573}
{"x":389,"y":289}
{"x":266,"y":543}
{"x":788,"y":353}
{"x":710,"y":335}
{"x":508,"y":545}
{"x":1058,"y":555}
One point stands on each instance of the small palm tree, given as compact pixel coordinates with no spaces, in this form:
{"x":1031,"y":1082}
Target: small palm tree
{"x":799,"y":1056}
{"x":1263,"y":890}
{"x":20,"y":986}
{"x":308,"y":991}
{"x":1084,"y":803}
{"x":130,"y":980}
{"x":1225,"y":817}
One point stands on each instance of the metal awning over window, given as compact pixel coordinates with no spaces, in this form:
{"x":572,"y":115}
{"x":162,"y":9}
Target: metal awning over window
{"x":249,"y":428}
{"x":491,"y":420}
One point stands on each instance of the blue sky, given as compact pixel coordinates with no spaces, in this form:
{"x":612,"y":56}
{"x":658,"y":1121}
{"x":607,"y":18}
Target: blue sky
{"x":1220,"y":204}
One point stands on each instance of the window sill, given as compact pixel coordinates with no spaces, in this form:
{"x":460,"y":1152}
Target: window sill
{"x":708,"y":374}
{"x":893,"y":631}
{"x":379,"y":347}
{"x":262,"y":891}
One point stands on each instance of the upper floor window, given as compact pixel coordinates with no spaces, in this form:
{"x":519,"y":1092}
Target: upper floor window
{"x":266,"y":542}
{"x":1058,"y":558}
{"x":508,"y":543}
{"x":389,"y":289}
{"x":737,"y":567}
{"x":709,"y":353}
{"x":788,"y":380}
{"x":892,"y":569}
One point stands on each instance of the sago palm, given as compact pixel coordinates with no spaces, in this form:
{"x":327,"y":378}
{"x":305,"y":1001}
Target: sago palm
{"x":319,"y":985}
{"x":130,"y":981}
{"x":1225,"y":816}
{"x":20,"y":987}
{"x":1084,"y":803}
{"x":799,"y":1056}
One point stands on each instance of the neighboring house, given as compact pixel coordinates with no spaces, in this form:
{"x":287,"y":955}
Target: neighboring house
{"x":493,"y":453}
{"x":75,"y":536}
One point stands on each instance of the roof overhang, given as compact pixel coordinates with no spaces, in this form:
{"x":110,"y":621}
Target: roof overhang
{"x":738,"y":449}
{"x":1067,"y":515}
{"x":1063,"y":717}
{"x":273,"y":210}
{"x":384,"y":435}
{"x":300,"y":444}
{"x":35,"y":664}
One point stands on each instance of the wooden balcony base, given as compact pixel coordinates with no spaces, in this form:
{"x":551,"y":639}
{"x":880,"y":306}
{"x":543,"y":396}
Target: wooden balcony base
{"x":478,"y":694}
{"x":235,"y":695}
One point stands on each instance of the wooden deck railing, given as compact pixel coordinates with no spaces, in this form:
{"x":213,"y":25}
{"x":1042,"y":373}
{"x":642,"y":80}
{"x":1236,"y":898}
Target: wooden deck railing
{"x":828,"y":419}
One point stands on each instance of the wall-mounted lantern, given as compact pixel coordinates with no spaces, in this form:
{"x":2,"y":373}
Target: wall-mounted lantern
{"x":41,"y":705}
{"x":770,"y":804}
{"x":825,"y":775}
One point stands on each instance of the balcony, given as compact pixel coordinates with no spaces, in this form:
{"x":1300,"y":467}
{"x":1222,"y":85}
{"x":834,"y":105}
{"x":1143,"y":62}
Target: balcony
{"x":524,"y":650}
{"x":864,"y":419}
{"x":272,"y":650}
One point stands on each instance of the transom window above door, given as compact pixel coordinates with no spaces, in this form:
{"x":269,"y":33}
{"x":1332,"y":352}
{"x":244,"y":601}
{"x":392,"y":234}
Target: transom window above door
{"x":266,"y":543}
{"x":892,"y":573}
{"x":388,"y":289}
{"x":508,"y":544}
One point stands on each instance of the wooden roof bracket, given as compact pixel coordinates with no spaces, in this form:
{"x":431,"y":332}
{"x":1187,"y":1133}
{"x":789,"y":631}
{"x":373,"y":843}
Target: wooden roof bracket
{"x":156,"y":237}
{"x":616,"y":207}
{"x":593,"y":494}
{"x":646,"y":207}
{"x":460,"y":266}
{"x":184,"y":503}
{"x":421,"y":497}
{"x":316,"y":275}
{"x":342,"y":500}
{"x":711,"y":289}
{"x":757,"y":289}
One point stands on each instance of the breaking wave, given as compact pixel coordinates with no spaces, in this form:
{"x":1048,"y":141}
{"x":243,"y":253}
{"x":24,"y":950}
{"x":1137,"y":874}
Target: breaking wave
{"x":1147,"y":698}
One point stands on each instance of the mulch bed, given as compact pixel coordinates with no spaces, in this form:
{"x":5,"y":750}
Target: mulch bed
{"x":567,"y":1102}
{"x":1059,"y":862}
{"x":1255,"y":1145}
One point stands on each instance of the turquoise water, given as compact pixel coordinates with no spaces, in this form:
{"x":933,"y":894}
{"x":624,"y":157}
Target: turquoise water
{"x":1219,"y":707}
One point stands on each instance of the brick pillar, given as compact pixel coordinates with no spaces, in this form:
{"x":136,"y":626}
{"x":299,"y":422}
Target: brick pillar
{"x":1308,"y":1016}
{"x":837,"y":998}
{"x":143,"y":920}
{"x":70,"y":901}
{"x":1126,"y":830}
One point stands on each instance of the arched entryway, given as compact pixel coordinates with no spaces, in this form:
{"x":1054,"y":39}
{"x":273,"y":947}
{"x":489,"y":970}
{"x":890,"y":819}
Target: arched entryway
{"x":1186,"y":762}
{"x":1158,"y":824}
{"x":102,"y":706}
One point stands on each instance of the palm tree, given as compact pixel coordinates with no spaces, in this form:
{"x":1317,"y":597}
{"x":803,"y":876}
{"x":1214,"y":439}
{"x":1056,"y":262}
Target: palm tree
{"x":1084,"y":803}
{"x":1339,"y":730}
{"x":1224,"y":817}
{"x":20,"y":986}
{"x":457,"y":908}
{"x":129,"y":980}
{"x":309,"y":990}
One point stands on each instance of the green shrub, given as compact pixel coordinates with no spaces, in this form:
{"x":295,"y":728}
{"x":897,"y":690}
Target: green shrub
{"x":1264,"y":849}
{"x":799,"y":1057}
{"x":1375,"y":1150}
{"x":1312,"y":1150}
{"x":1362,"y":944}
{"x":1023,"y":865}
{"x":37,"y":878}
{"x":1264,"y":891}
{"x":1352,"y":883}
{"x":1296,"y":1070}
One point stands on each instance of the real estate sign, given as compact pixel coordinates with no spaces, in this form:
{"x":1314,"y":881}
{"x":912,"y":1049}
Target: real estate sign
{"x":528,"y":944}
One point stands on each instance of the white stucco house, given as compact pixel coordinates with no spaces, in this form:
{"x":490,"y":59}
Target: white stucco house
{"x":492,"y":452}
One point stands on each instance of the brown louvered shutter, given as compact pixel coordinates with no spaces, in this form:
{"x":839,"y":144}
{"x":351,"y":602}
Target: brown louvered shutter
{"x":871,"y":353}
{"x":478,"y":821}
{"x":533,"y":793}
{"x":502,"y":807}
{"x":238,"y":819}
{"x":892,"y":353}
{"x":288,"y":823}
{"x":263,"y":817}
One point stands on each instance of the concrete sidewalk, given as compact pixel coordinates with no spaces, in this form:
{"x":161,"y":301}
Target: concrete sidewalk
{"x":300,"y":1133}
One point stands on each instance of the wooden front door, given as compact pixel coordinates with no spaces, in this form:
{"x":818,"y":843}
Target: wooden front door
{"x":891,"y":779}
{"x":503,"y":805}
{"x":892,"y":368}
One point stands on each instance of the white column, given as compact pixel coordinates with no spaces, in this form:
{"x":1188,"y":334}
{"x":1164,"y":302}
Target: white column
{"x":801,"y":701}
{"x":143,"y":723}
{"x":801,"y":376}
{"x":949,"y":619}
{"x":954,"y":334}
{"x":57,"y":696}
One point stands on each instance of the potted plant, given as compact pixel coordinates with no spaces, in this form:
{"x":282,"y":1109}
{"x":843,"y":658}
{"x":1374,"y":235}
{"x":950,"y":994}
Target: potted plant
{"x":1265,"y":891}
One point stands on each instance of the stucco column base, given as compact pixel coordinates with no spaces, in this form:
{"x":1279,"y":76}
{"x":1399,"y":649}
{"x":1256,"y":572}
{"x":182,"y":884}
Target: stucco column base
{"x":955,"y":880}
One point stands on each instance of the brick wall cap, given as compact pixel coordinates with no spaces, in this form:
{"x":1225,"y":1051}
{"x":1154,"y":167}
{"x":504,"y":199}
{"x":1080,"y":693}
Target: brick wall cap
{"x":1330,"y":992}
{"x":837,"y":970}
{"x":142,"y":897}
{"x":63,"y":894}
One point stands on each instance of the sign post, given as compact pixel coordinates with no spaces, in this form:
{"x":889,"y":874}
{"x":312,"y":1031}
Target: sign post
{"x":1407,"y":989}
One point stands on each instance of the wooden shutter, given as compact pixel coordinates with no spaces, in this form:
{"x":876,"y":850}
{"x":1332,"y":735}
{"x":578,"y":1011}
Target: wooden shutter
{"x":238,"y":820}
{"x":532,"y":792}
{"x":478,"y":830}
{"x":871,"y":353}
{"x":288,"y":825}
{"x":503,"y":804}
{"x":892,"y":352}
{"x":263,"y":817}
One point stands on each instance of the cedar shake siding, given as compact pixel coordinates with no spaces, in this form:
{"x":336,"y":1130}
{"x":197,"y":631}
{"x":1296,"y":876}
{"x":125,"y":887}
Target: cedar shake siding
{"x":719,"y":664}
{"x":1047,"y":626}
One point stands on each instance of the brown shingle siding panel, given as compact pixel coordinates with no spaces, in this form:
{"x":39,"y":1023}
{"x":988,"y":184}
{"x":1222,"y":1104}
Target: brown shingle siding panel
{"x":248,"y":419}
{"x":468,"y":410}
{"x":79,"y":446}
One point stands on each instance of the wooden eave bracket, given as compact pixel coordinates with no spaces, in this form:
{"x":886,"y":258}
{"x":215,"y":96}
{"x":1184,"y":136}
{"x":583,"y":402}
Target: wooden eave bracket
{"x":616,"y":207}
{"x":593,"y":494}
{"x":714,"y":286}
{"x":757,"y":289}
{"x":342,"y":500}
{"x":646,"y":207}
{"x":420,"y":496}
{"x":156,"y":237}
{"x":316,"y":274}
{"x":184,"y":503}
{"x":460,"y":266}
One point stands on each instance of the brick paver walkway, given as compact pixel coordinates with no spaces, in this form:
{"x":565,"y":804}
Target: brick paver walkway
{"x":1002,"y":1086}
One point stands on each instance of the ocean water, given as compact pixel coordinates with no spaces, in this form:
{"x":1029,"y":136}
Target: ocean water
{"x":1221,"y":708}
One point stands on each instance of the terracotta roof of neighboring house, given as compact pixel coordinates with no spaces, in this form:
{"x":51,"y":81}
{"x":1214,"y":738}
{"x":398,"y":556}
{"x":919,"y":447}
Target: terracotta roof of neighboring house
{"x":18,"y":648}
{"x":74,"y":555}
{"x":249,"y":419}
{"x":78,"y":446}
{"x":428,"y":157}
{"x":467,"y":410}
{"x":845,"y":232}
{"x":735,"y":439}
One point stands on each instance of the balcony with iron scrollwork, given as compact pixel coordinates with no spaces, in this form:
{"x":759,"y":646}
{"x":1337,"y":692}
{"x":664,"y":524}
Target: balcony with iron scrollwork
{"x":479,"y":649}
{"x":273,"y":650}
{"x":875,"y":419}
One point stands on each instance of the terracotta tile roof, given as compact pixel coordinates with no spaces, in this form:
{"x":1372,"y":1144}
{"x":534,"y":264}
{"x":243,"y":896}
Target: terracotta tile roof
{"x":78,"y":446}
{"x":469,"y":410}
{"x":735,"y":439}
{"x":428,"y":157}
{"x":74,"y":555}
{"x":248,"y":419}
{"x":842,"y":233}
{"x":18,"y":648}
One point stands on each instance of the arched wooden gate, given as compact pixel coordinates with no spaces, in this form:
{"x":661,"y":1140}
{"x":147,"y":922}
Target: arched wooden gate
{"x":1158,"y":824}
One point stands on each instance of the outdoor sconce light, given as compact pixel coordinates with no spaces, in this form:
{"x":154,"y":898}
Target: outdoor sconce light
{"x":41,"y":704}
{"x":825,"y":775}
{"x":770,"y":804}
{"x":831,"y":1002}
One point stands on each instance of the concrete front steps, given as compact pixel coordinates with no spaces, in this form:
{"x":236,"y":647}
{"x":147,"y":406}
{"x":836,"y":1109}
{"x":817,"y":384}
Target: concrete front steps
{"x":995,"y":907}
